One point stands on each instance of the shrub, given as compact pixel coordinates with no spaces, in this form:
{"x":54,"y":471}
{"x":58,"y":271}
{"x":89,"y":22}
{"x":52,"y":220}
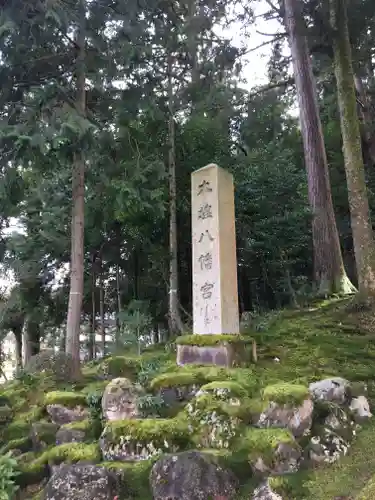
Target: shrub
{"x":58,"y":364}
{"x":8,"y":472}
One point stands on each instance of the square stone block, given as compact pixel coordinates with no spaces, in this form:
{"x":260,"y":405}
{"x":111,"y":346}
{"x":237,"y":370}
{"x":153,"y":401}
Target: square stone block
{"x":226,"y":355}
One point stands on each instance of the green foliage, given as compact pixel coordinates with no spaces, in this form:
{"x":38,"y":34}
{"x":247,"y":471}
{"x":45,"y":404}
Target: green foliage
{"x":150,"y":405}
{"x":8,"y":473}
{"x":136,"y":323}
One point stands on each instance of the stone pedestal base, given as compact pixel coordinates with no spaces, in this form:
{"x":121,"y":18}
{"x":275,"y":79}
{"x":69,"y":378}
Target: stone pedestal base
{"x":219,"y":355}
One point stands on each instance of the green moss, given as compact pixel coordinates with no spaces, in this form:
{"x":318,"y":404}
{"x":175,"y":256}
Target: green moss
{"x":33,"y":471}
{"x":233,"y":388}
{"x":174,"y":431}
{"x":286,"y":393}
{"x":6,"y":415}
{"x":263,"y":442}
{"x":212,"y":340}
{"x":120,"y":366}
{"x":177,"y":379}
{"x":23,"y":444}
{"x":368,"y":493}
{"x":134,"y":477}
{"x":15,"y":430}
{"x":45,"y":432}
{"x":198,"y":375}
{"x":68,"y":399}
{"x":81,"y":425}
{"x":91,"y":428}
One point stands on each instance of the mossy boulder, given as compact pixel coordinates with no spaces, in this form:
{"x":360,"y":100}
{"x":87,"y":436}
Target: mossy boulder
{"x":65,"y":398}
{"x":143,"y":439}
{"x":91,"y":482}
{"x":287,"y":406}
{"x":132,"y":476}
{"x":225,"y":390}
{"x":6,"y":415}
{"x":286,"y":394}
{"x":34,"y":468}
{"x":119,"y":366}
{"x":270,"y":451}
{"x":43,"y":434}
{"x":215,"y":423}
{"x":191,"y":475}
{"x":58,"y":364}
{"x":21,"y":445}
{"x":120,"y":399}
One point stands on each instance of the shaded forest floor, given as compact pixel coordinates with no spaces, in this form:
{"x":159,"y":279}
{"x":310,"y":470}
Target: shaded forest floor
{"x":329,"y":338}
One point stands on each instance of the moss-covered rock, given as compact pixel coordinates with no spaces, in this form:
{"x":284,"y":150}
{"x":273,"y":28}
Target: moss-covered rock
{"x":120,"y":399}
{"x":270,"y":451}
{"x":6,"y":415}
{"x":215,"y":423}
{"x":22,"y":444}
{"x":88,"y":429}
{"x":34,"y":469}
{"x":191,"y":474}
{"x":224,"y":389}
{"x":43,"y":434}
{"x":212,"y":340}
{"x":65,"y":398}
{"x":143,"y":439}
{"x":133,"y":477}
{"x":120,"y":366}
{"x":286,"y":393}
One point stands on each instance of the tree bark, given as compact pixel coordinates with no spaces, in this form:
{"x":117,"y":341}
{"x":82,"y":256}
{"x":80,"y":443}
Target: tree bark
{"x":92,"y":334}
{"x":175,"y":323}
{"x":102,"y":311}
{"x":367,"y":122}
{"x":329,"y":272}
{"x":364,"y":248}
{"x":78,"y":192}
{"x":119,"y":307}
{"x":18,"y":341}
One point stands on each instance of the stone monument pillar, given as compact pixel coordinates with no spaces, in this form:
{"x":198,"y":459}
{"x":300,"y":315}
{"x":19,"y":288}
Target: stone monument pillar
{"x":215,"y":291}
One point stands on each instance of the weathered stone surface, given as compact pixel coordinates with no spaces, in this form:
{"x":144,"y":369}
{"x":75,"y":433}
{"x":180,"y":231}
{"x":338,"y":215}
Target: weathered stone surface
{"x":65,"y":435}
{"x":360,"y":409}
{"x":297,"y":419}
{"x":119,"y":400}
{"x":215,"y":290}
{"x":191,"y":475}
{"x":84,"y":482}
{"x":221,"y":355}
{"x":286,"y":459}
{"x":264,"y":492}
{"x":334,"y":390}
{"x":61,"y":415}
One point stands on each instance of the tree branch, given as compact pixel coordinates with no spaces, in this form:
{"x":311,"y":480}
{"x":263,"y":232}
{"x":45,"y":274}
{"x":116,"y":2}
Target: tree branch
{"x":271,"y":86}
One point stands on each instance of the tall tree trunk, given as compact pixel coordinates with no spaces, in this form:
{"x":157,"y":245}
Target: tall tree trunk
{"x":119,"y":307}
{"x":329,"y":272}
{"x":364,"y":248}
{"x":17,"y":332}
{"x":26,"y":343}
{"x":78,"y":192}
{"x":367,"y":122}
{"x":102,"y":311}
{"x":92,"y":334}
{"x":175,"y":323}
